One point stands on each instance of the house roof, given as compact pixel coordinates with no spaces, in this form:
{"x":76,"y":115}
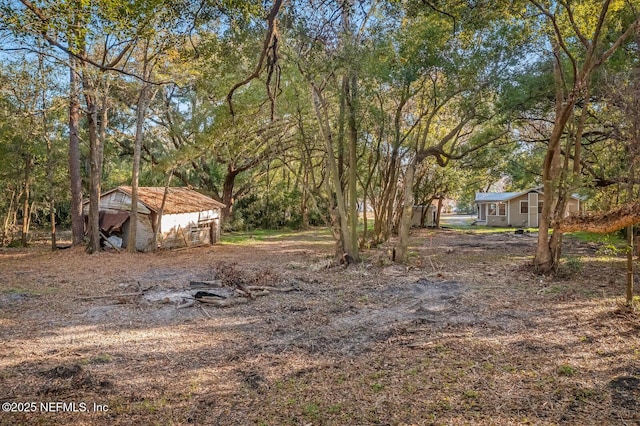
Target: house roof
{"x":179,"y":199}
{"x":493,"y":197}
{"x":489,"y":197}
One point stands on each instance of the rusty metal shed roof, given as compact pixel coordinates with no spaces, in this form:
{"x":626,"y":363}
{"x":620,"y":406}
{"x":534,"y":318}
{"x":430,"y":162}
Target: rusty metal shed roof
{"x":179,"y":199}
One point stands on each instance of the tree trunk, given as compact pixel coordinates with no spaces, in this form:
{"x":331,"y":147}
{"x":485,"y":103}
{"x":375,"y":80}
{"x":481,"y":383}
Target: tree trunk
{"x":135,"y":174}
{"x":52,"y":188}
{"x":438,"y":212}
{"x":402,"y":254}
{"x":335,"y":186}
{"x":566,"y":97}
{"x":10,"y":213}
{"x":629,"y":298}
{"x":26,"y":212}
{"x":75,"y":176}
{"x":546,"y":251}
{"x":227,"y":191}
{"x":632,"y":152}
{"x":351,"y":96}
{"x":161,"y":212}
{"x":141,"y":111}
{"x":304,"y":201}
{"x":95,"y":165}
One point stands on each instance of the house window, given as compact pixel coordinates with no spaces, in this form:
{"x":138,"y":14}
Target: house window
{"x":497,"y":209}
{"x":539,"y":207}
{"x":524,"y":207}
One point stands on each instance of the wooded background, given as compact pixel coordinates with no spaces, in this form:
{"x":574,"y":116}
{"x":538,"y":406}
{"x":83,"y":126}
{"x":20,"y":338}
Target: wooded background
{"x":299,"y":113}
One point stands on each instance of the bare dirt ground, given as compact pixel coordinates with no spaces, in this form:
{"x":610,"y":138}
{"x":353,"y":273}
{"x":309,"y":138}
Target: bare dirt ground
{"x":466,"y":334}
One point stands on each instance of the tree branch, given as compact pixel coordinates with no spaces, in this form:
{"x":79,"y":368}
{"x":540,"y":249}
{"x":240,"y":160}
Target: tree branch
{"x":271,"y":33}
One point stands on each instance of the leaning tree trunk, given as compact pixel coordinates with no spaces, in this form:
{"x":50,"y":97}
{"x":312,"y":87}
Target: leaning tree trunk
{"x":75,"y":176}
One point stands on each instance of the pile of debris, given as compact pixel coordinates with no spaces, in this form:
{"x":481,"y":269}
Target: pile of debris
{"x":215,"y":293}
{"x":232,"y":286}
{"x":207,"y":292}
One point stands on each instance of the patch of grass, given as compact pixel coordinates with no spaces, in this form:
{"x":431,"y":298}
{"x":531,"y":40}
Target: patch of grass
{"x":251,"y":236}
{"x":471,"y":394}
{"x":248,"y":237}
{"x":610,"y":244}
{"x":334,"y":409}
{"x":312,"y":411}
{"x":554,"y":289}
{"x":101,"y":359}
{"x":444,"y":404}
{"x":569,"y":267}
{"x":583,"y":394}
{"x":572,"y":265}
{"x":377,"y":387}
{"x":487,"y":366}
{"x":592,"y":237}
{"x":409,"y":388}
{"x":567,"y":370}
{"x":412,"y":372}
{"x":440,"y":348}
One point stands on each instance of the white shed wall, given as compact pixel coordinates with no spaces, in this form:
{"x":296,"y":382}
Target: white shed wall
{"x":185,"y":229}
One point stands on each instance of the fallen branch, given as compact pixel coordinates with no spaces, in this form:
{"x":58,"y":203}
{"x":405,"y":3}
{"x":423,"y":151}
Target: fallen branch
{"x":205,"y":311}
{"x":106,"y":240}
{"x":208,"y":284}
{"x":186,"y":304}
{"x":603,"y":223}
{"x":269,"y":288}
{"x":189,"y":247}
{"x":223,"y":303}
{"x":224,"y":293}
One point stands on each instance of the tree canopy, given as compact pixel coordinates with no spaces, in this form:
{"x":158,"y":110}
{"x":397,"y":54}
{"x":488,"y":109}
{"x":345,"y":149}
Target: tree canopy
{"x":317,"y":112}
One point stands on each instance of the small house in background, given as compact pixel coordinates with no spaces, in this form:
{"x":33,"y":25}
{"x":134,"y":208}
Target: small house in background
{"x":520,"y":209}
{"x":188,"y":217}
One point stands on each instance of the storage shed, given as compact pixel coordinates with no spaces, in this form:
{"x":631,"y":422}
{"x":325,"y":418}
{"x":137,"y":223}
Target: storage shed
{"x":188,"y":217}
{"x":423,"y":216}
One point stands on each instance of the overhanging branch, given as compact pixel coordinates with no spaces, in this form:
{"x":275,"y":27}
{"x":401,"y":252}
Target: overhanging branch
{"x":603,"y":223}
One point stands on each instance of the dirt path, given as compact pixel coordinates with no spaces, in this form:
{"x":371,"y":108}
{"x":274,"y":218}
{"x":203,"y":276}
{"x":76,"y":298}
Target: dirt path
{"x":464,"y":334}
